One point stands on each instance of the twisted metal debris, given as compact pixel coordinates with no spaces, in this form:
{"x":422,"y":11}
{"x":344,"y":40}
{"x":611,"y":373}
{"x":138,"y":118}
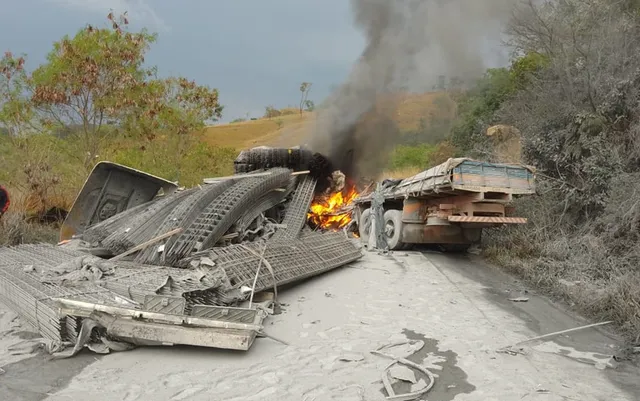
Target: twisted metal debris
{"x":181,"y":285}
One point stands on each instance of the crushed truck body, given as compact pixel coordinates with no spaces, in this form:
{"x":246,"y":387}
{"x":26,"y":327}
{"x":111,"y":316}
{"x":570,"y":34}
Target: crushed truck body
{"x":144,"y":262}
{"x":448,"y":204}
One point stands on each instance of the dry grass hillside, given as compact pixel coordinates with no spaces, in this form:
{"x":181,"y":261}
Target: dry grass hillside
{"x":293,"y":129}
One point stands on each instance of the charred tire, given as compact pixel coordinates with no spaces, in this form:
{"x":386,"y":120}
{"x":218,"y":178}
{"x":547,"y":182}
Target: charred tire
{"x":364,"y":226}
{"x":455,"y":248}
{"x":393,"y":229}
{"x":267,"y":158}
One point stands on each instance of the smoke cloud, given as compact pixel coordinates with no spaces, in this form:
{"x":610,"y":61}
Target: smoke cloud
{"x":410,"y":43}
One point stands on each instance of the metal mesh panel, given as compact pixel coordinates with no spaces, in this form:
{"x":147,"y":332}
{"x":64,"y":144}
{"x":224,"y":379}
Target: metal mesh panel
{"x":143,"y":226}
{"x":136,"y":281}
{"x":34,"y":253}
{"x":296,"y":212}
{"x":182,"y":216}
{"x":220,"y":215}
{"x":102,"y":230}
{"x":31,"y":299}
{"x":291,"y":260}
{"x":266,"y":202}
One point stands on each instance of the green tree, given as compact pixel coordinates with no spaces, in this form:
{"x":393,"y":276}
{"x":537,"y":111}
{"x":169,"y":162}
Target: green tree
{"x":91,"y":81}
{"x":271,"y":111}
{"x":15,"y":109}
{"x":95,"y":85}
{"x":477,"y":110}
{"x":309,"y":105}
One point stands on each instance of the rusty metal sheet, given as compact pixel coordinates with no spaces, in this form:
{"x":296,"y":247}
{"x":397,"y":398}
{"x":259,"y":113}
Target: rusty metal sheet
{"x":164,"y":304}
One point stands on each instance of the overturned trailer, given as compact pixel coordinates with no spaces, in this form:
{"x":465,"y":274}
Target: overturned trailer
{"x":449,"y":204}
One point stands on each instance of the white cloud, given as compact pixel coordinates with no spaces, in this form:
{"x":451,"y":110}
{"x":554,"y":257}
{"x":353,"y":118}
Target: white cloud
{"x":139,"y":11}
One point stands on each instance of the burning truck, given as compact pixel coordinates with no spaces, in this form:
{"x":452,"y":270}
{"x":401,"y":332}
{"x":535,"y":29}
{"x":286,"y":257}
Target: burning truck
{"x":448,"y":205}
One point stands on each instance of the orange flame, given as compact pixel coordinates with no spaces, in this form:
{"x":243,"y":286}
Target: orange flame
{"x":328,"y":211}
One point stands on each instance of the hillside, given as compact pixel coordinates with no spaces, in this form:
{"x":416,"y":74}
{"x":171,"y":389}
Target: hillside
{"x":413,"y":111}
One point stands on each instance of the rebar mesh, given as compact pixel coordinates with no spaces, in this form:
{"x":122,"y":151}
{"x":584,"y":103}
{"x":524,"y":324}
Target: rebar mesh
{"x":223,"y":212}
{"x":291,"y":260}
{"x":143,"y":226}
{"x":264,"y":203}
{"x":22,"y":290}
{"x":296,"y":213}
{"x":182,"y":216}
{"x":198,"y":286}
{"x":102,"y":230}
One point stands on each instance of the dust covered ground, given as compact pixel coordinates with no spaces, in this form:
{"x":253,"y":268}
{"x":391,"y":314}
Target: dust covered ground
{"x":458,"y":307}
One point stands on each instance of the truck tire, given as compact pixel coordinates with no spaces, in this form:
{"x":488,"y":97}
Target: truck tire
{"x":364,"y":226}
{"x":393,"y":229}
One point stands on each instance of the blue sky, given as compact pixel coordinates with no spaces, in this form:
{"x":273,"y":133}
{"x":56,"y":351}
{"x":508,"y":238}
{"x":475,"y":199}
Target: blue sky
{"x":256,"y":52}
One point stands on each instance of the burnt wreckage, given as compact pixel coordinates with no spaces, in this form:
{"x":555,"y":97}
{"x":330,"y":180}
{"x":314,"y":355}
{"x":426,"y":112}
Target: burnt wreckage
{"x":143,"y":262}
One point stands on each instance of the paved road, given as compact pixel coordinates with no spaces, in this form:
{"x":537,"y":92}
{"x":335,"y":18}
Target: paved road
{"x":457,"y":307}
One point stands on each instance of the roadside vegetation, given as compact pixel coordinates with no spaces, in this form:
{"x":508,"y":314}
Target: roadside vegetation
{"x":573,"y":93}
{"x":95,"y":99}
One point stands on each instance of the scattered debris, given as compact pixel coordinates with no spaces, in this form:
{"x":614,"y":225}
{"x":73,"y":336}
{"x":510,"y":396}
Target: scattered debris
{"x":542,"y":337}
{"x":351,"y":358}
{"x":143,"y":262}
{"x":512,"y":350}
{"x":413,"y":395}
{"x":403,"y":373}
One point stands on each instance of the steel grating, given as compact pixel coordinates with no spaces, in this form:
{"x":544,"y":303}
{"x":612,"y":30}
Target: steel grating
{"x":296,"y":213}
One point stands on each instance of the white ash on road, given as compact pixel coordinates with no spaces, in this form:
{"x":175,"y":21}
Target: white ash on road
{"x":456,"y":306}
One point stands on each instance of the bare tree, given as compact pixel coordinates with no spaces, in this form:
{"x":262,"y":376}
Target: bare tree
{"x":305,"y":87}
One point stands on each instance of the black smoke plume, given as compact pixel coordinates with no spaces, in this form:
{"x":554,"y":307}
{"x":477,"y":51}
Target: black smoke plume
{"x":409,"y":45}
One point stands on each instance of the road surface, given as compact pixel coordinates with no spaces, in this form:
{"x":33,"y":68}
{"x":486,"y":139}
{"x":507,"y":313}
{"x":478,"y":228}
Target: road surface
{"x":457,"y":307}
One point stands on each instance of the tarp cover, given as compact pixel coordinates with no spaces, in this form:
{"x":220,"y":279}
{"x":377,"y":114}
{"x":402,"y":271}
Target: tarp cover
{"x":464,"y":174}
